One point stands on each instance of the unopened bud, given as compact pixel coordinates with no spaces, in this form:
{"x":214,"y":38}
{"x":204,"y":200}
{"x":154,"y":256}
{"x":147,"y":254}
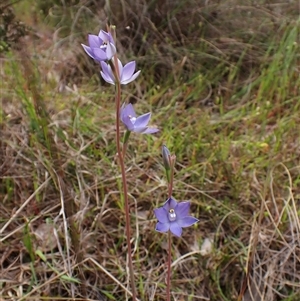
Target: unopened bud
{"x":166,"y":157}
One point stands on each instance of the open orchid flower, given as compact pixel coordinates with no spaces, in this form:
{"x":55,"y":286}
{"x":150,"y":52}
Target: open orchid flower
{"x":127,"y":74}
{"x":101,"y":47}
{"x":136,"y":124}
{"x":173,"y":216}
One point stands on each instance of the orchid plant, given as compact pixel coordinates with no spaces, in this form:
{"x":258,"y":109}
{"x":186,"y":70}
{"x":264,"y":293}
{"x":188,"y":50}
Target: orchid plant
{"x":173,"y":215}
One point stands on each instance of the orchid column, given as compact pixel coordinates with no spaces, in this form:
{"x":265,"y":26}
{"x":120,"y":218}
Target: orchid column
{"x":102,"y":48}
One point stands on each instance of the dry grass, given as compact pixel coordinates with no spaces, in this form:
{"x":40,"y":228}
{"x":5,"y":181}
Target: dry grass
{"x":226,"y":97}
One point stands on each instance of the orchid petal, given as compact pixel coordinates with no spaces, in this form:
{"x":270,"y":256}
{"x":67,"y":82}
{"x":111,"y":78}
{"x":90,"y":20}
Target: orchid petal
{"x":162,"y":227}
{"x":135,"y":75}
{"x":128,"y":71}
{"x":99,"y":54}
{"x":94,"y":41}
{"x":120,"y":66}
{"x":129,"y":111}
{"x":187,"y":221}
{"x":104,"y":67}
{"x":150,"y":131}
{"x":182,"y":209}
{"x":170,"y":204}
{"x":89,"y":51}
{"x":110,"y":50}
{"x":143,"y":120}
{"x":175,"y":229}
{"x":104,"y":36}
{"x":106,"y":73}
{"x":107,"y":78}
{"x":128,"y":123}
{"x":161,"y":214}
{"x":140,"y":130}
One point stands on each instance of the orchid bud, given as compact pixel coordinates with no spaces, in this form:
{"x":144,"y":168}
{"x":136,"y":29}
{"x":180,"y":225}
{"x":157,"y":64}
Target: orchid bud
{"x":166,"y":157}
{"x":168,"y":162}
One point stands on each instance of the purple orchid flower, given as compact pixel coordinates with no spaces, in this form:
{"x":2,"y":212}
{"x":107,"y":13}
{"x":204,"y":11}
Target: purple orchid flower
{"x":174,"y":216}
{"x":127,"y":74}
{"x":102,"y":47}
{"x":136,"y":124}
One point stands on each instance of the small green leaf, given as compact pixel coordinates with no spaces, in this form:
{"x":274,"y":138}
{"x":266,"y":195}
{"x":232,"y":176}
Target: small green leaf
{"x":27,"y":240}
{"x":70,"y":279}
{"x":40,"y":254}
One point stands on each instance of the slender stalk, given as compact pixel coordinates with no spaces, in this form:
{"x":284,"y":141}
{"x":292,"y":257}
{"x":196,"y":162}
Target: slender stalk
{"x":170,"y":190}
{"x":172,"y":160}
{"x":170,"y":187}
{"x":169,"y":267}
{"x":125,"y":191}
{"x":121,"y":155}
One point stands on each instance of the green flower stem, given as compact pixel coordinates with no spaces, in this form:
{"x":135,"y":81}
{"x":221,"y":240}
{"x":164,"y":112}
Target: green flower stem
{"x":168,"y":175}
{"x":125,"y":142}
